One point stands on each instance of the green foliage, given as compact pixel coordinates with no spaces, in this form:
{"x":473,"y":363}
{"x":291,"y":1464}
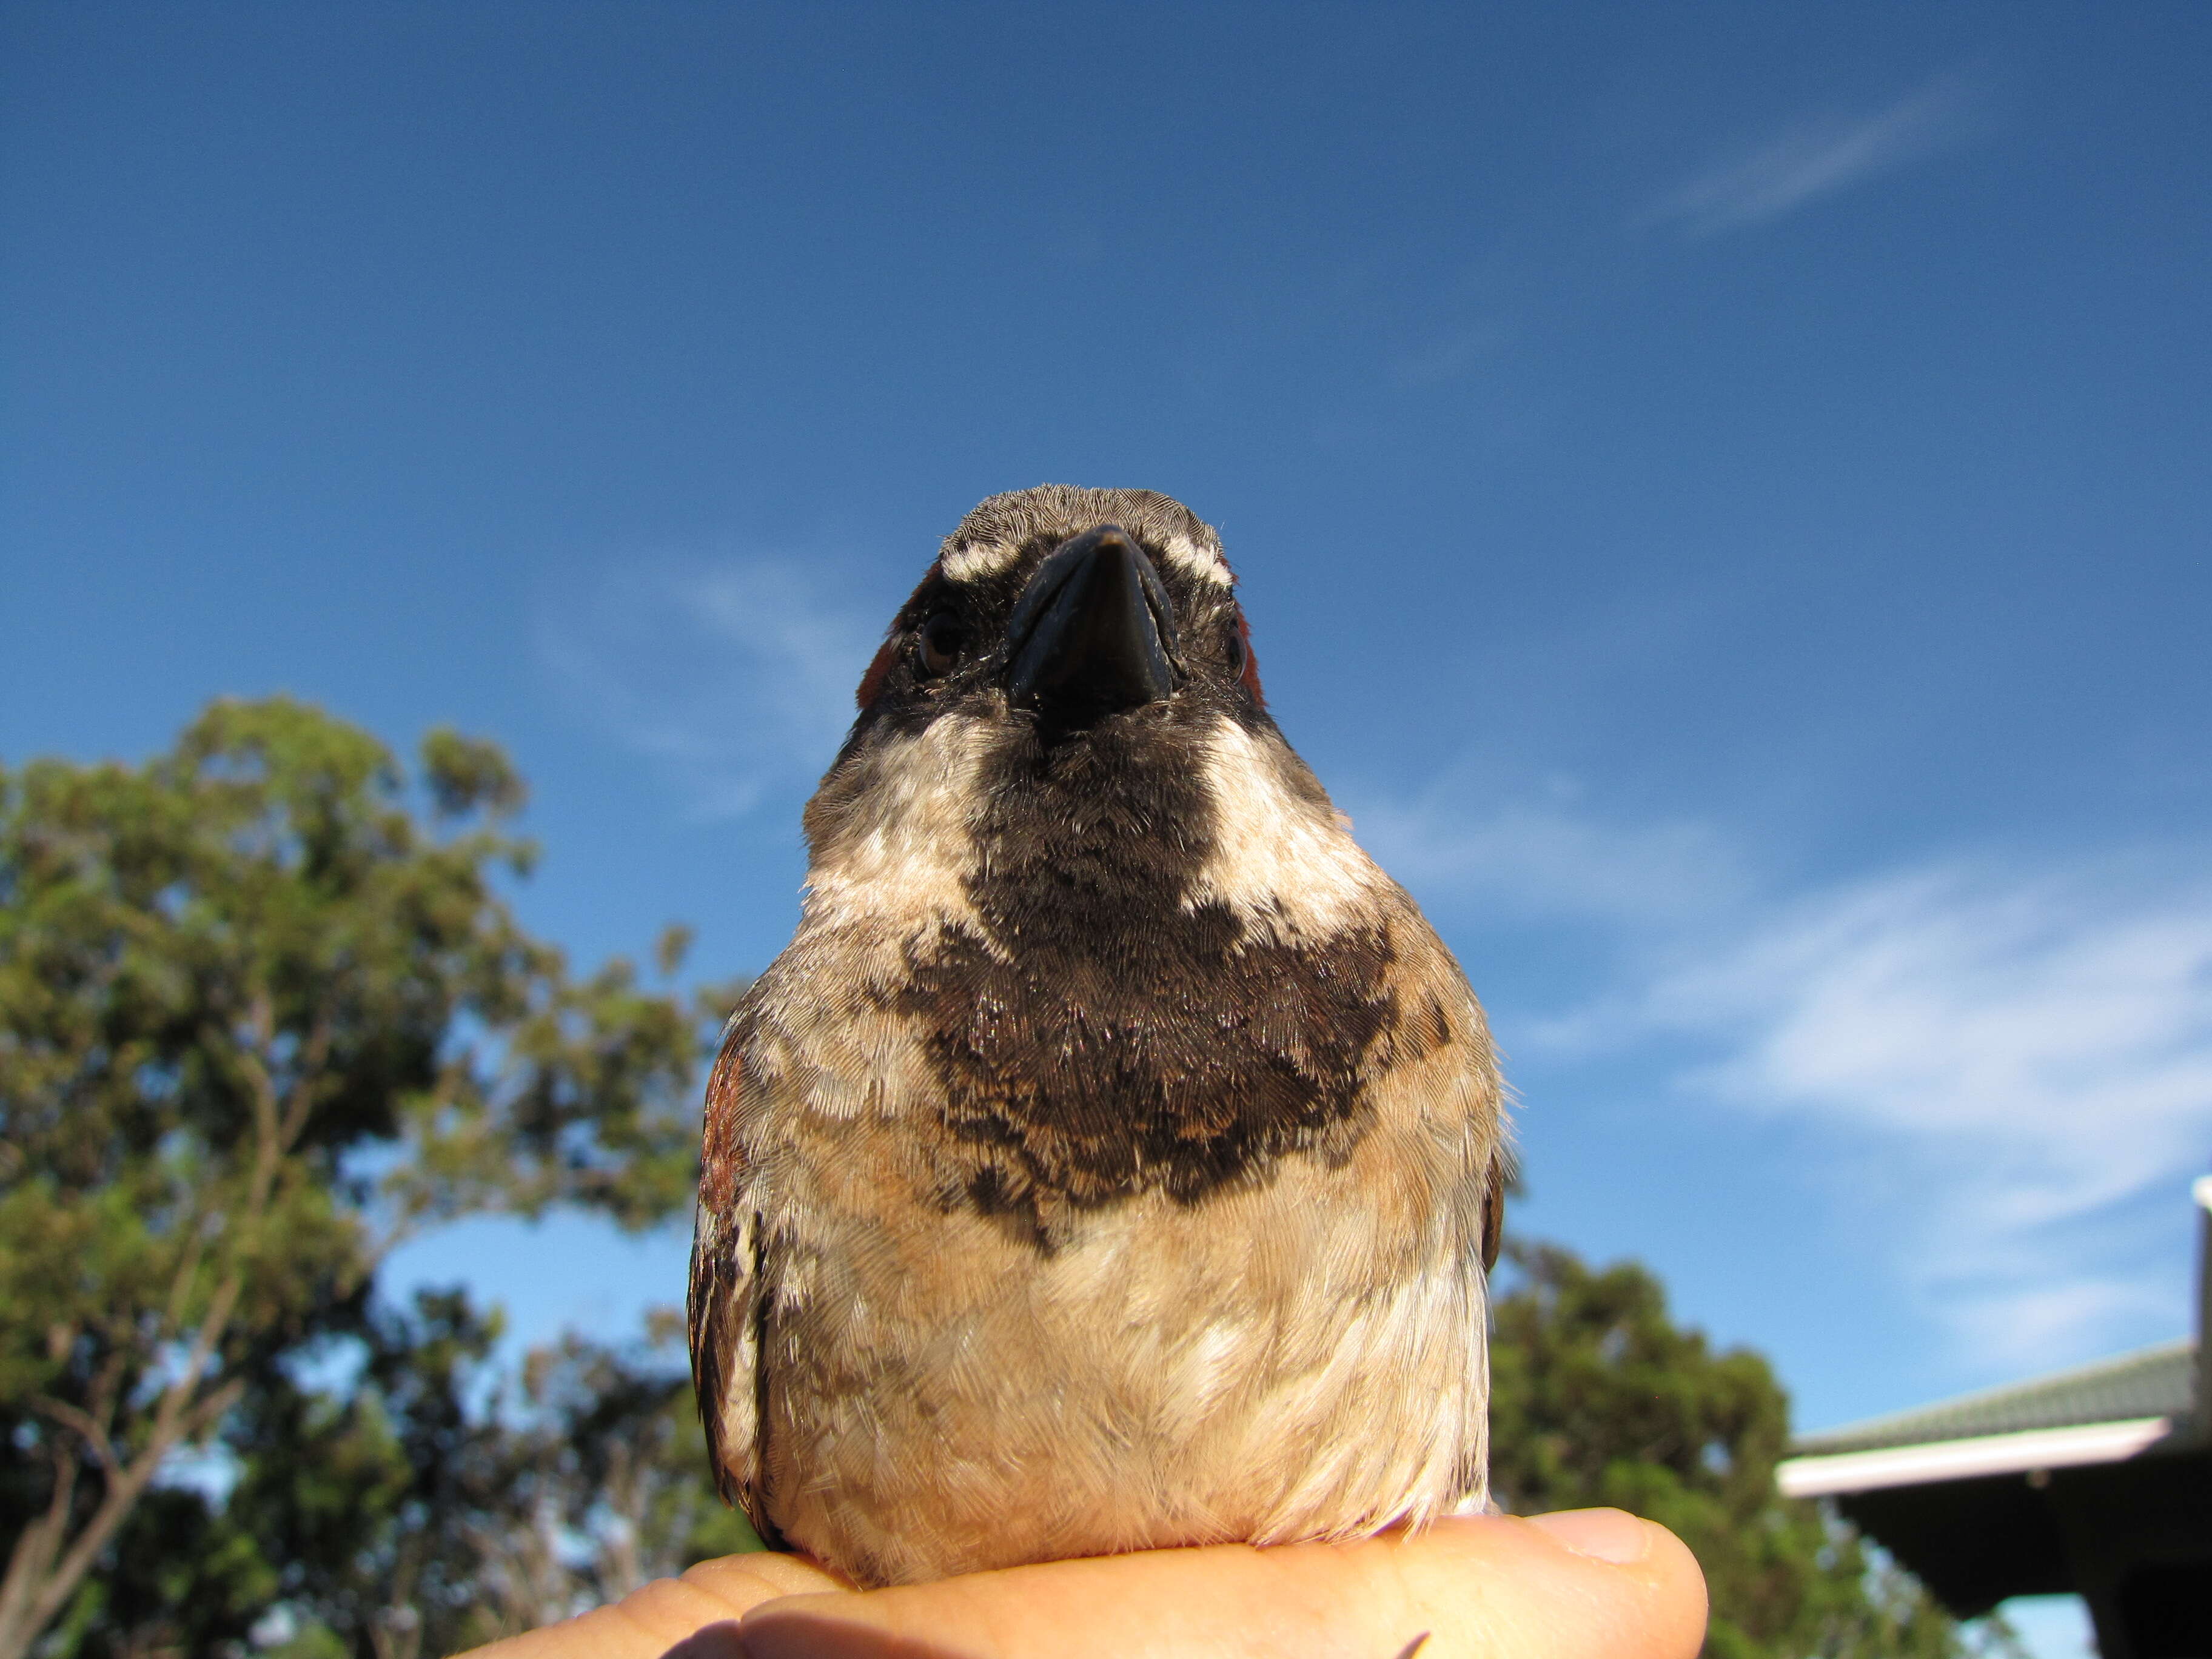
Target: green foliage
{"x":441,"y":1502}
{"x":259,"y":1020}
{"x":1599,"y":1398}
{"x":182,"y":1577}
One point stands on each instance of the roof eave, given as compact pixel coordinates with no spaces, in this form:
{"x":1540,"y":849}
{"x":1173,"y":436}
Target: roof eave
{"x":1982,"y":1455}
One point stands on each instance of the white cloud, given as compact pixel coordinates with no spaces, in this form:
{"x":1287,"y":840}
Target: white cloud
{"x":2007,"y":1064}
{"x":1817,"y":159}
{"x":1451,"y":352}
{"x":1523,"y":857}
{"x":736,"y":677}
{"x":2025,"y":1055}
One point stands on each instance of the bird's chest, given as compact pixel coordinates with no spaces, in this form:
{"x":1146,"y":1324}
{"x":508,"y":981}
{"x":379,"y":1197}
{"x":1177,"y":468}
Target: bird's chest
{"x":1296,"y":1358}
{"x":1196,"y":1259}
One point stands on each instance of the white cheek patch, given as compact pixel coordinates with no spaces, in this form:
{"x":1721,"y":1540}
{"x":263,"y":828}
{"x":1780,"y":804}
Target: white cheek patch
{"x":975,"y":562}
{"x":1282,"y":863}
{"x":903,"y":854}
{"x":1188,"y":556}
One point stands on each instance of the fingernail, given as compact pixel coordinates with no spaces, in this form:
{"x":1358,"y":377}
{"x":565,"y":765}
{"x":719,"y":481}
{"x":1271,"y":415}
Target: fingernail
{"x":718,"y":1641}
{"x":1611,"y":1536}
{"x":804,"y":1635}
{"x":771,"y":1639}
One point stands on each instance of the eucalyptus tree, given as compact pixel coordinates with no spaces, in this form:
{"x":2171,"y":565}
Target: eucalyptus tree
{"x":266,"y":1010}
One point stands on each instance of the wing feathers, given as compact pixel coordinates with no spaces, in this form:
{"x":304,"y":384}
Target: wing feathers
{"x":1494,"y":1206}
{"x":725,"y":1299}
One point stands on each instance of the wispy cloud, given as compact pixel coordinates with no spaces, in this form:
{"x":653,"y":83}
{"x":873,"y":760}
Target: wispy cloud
{"x":1545,"y":858}
{"x":735,"y":677}
{"x":1819,"y":158}
{"x":2009,"y":1062}
{"x":1451,"y":352}
{"x":2025,"y":1054}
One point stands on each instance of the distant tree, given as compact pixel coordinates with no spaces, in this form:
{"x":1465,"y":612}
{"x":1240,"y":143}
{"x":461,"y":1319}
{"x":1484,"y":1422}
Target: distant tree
{"x":264,"y":1012}
{"x":438,"y":1502}
{"x":1599,"y":1398}
{"x":613,"y":1441}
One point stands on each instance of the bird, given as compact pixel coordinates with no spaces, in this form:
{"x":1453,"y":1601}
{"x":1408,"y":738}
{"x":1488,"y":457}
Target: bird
{"x":1115,"y":1157}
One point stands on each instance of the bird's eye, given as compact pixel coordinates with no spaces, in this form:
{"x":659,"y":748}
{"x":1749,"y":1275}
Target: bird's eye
{"x":1237,"y":652}
{"x":939,"y":644}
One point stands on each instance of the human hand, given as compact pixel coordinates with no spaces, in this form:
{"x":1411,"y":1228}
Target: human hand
{"x":1581,"y":1585}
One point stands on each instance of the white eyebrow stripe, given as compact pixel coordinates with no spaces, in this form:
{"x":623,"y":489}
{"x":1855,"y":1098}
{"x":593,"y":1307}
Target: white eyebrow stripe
{"x":1199,"y":562}
{"x":969,"y":564}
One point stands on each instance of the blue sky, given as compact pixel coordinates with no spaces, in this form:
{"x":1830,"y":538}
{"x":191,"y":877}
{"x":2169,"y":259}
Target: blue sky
{"x":1721,"y":491}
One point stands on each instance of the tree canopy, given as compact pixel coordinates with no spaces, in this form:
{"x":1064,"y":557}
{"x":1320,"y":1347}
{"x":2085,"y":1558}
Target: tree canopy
{"x":265,"y":1010}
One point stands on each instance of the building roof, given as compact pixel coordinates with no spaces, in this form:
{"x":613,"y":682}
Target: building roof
{"x":2096,"y":1479}
{"x":2150,"y":1383}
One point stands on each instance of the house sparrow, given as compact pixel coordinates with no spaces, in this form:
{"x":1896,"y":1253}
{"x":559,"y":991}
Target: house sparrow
{"x":1113,"y":1159}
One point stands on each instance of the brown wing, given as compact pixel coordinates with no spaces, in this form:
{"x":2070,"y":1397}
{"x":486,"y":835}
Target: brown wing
{"x":725,"y":1299}
{"x":1444,"y":1040}
{"x":1494,"y":1206}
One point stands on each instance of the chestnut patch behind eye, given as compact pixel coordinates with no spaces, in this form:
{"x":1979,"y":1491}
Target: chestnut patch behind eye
{"x":887,"y":655}
{"x":871,"y":682}
{"x":1248,"y":666}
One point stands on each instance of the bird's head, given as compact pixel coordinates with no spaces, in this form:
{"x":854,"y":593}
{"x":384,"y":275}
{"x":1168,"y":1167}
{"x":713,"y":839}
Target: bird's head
{"x":1067,"y":713}
{"x":1060,"y":611}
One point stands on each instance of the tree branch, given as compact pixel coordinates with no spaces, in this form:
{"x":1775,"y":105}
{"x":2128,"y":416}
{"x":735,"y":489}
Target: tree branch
{"x":83,"y":1424}
{"x":48,"y":1583}
{"x":300,"y":1104}
{"x":188,"y":1271}
{"x":268,"y":1135}
{"x":115,"y":1503}
{"x":29,"y":1561}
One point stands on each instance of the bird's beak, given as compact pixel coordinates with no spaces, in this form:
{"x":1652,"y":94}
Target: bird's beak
{"x":1094,"y":631}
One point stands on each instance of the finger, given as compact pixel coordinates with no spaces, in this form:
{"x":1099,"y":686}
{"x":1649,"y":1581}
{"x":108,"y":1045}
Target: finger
{"x":1588,"y":1584}
{"x":652,"y":1621}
